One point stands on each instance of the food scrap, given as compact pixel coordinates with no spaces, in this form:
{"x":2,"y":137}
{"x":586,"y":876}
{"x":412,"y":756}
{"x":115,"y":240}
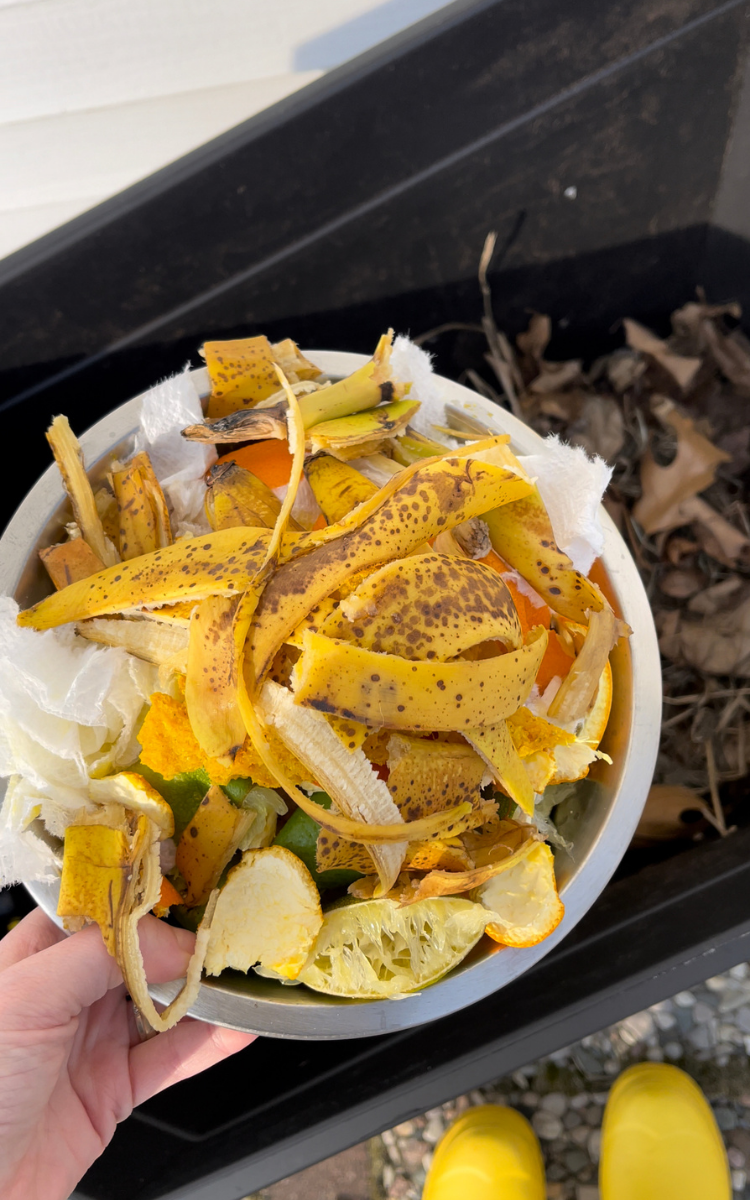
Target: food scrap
{"x":372,"y":660}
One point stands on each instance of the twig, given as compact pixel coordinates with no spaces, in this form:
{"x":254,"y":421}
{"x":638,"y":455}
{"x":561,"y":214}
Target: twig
{"x":447,"y":327}
{"x":482,"y":386}
{"x":719,"y":694}
{"x":681,"y":716}
{"x":713,"y":784}
{"x":500,"y":355}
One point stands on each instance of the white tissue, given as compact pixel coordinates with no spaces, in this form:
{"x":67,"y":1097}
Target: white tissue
{"x":411,"y":364}
{"x":68,"y":710}
{"x":571,"y":485}
{"x":179,"y":465}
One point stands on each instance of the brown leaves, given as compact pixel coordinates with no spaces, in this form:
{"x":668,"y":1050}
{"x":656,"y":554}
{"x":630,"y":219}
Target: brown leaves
{"x":702,"y":324}
{"x":682,"y":370}
{"x":670,"y":415}
{"x":719,"y":646}
{"x":692,"y":470}
{"x":672,"y":811}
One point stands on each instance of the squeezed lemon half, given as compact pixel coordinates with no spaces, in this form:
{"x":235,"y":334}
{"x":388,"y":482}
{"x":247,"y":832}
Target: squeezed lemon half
{"x":375,"y":949}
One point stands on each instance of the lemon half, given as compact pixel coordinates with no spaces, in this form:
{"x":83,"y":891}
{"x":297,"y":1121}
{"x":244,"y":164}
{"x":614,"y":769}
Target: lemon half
{"x":376,"y":949}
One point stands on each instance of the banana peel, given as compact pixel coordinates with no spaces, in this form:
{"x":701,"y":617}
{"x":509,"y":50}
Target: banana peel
{"x":437,"y":855}
{"x":414,"y":507}
{"x":212,"y":677}
{"x":378,"y":690}
{"x":348,"y":777}
{"x":410,"y":447}
{"x":96,"y":864}
{"x":430,"y":607}
{"x":521,"y":533}
{"x":144,"y":523}
{"x":424,"y":775}
{"x":579,"y":687}
{"x":337,"y":487}
{"x":359,"y":430}
{"x":298,"y":727}
{"x":215,"y":564}
{"x":297,"y":368}
{"x":111,"y":875}
{"x":234,"y":496}
{"x":241,"y":372}
{"x":156,"y":642}
{"x":513,"y":842}
{"x":231,"y":419}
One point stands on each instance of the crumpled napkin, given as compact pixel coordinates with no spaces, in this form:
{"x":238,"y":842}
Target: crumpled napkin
{"x":179,"y":465}
{"x":571,"y":484}
{"x":68,"y":711}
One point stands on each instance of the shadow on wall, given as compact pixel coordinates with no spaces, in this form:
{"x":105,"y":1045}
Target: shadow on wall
{"x":360,"y":33}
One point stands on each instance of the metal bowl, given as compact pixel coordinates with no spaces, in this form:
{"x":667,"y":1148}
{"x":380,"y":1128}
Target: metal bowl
{"x":598,"y":820}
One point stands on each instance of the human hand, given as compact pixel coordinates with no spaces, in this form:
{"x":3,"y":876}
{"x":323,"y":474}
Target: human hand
{"x":71,"y":1062}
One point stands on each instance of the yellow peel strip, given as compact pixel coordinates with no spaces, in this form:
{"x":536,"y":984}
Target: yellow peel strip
{"x":385,"y":690}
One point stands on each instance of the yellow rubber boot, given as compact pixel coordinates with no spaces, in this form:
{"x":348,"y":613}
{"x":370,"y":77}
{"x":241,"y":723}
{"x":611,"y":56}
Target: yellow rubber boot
{"x":489,"y":1153}
{"x":660,"y":1140}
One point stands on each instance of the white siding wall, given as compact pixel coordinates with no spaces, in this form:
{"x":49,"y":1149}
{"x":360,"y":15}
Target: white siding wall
{"x":96,"y":94}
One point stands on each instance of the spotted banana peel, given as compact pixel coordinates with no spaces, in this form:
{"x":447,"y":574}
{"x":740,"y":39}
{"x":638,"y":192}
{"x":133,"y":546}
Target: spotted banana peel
{"x":385,"y":690}
{"x":234,"y":496}
{"x":415,"y":506}
{"x":430,"y":607}
{"x":367,"y":387}
{"x":337,"y":487}
{"x":143,"y":515}
{"x":215,"y":564}
{"x":219,"y":627}
{"x":521,"y":533}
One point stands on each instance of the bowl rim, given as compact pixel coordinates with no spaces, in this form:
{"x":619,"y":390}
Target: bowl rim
{"x":299,"y":1013}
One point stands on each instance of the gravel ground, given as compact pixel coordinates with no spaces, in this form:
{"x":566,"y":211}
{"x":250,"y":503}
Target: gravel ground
{"x":706,"y":1031}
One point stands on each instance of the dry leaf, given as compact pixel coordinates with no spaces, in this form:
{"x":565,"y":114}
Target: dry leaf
{"x":535,"y":340}
{"x":692,"y":470}
{"x":680,"y":585}
{"x":682,"y":370}
{"x":688,"y":321}
{"x":717,"y":537}
{"x":714,"y":599}
{"x":678,"y":548}
{"x":599,"y":428}
{"x":624,"y":369}
{"x":663,"y":820}
{"x":564,"y":406}
{"x":731,"y":353}
{"x":737,"y":444}
{"x":717,"y":645}
{"x":553,"y":377}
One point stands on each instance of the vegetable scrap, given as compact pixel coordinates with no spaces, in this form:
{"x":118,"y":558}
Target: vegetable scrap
{"x":369,"y":662}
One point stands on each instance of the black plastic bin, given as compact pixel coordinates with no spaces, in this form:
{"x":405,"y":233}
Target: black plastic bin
{"x":609,"y":146}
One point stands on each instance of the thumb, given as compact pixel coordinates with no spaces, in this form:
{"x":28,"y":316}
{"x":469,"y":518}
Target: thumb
{"x":55,"y":985}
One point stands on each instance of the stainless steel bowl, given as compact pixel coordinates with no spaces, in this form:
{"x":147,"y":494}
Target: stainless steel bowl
{"x":599,"y":820}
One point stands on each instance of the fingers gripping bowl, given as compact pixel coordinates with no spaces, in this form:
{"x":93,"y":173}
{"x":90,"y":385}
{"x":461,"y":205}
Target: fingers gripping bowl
{"x":595,"y":820}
